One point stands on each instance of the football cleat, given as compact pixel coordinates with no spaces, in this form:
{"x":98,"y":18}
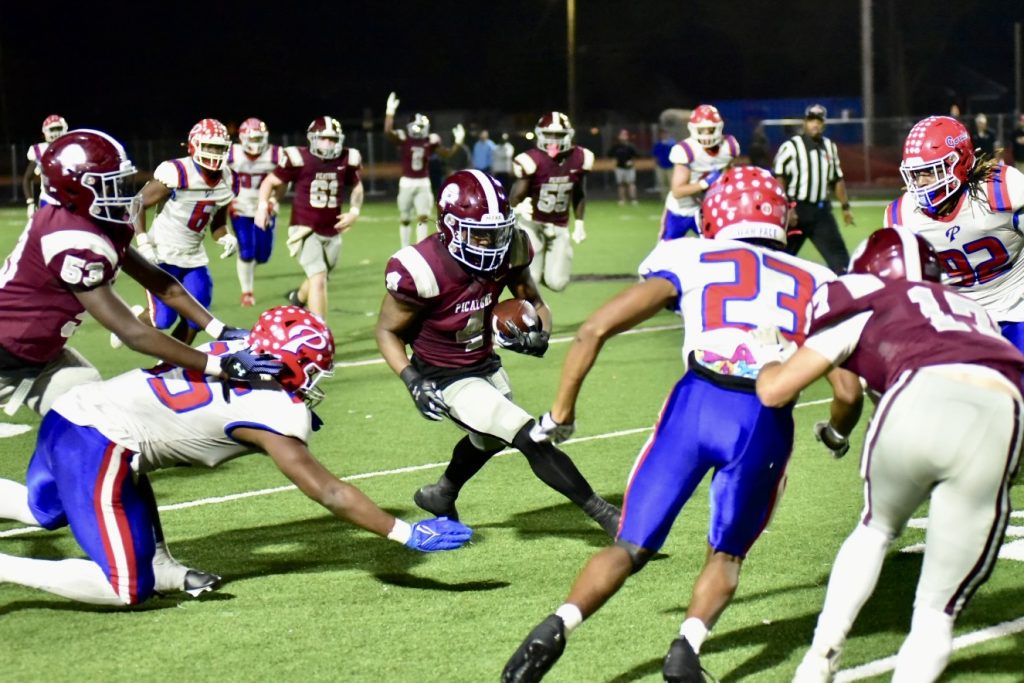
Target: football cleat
{"x":682,"y":665}
{"x":293,"y":298}
{"x":199,"y":582}
{"x":115,"y":341}
{"x":817,"y":667}
{"x":247,"y":300}
{"x":604,"y":513}
{"x":436,"y":501}
{"x":538,"y":653}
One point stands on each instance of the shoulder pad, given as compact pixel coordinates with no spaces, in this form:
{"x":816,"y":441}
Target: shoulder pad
{"x":354,"y":157}
{"x":524,"y":165}
{"x":588,"y":159}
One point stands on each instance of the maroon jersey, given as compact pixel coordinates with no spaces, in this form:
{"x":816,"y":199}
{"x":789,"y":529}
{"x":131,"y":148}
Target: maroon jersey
{"x":552,"y":181}
{"x":455,"y":326}
{"x":911,"y":325}
{"x":58,"y":254}
{"x":415,"y":153}
{"x":319,"y":185}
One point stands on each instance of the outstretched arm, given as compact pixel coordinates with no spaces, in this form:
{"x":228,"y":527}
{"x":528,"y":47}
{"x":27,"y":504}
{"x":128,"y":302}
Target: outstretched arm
{"x":166,"y":287}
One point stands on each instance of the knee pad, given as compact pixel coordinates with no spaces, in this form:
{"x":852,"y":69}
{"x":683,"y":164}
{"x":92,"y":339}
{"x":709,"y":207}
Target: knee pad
{"x":638,"y":556}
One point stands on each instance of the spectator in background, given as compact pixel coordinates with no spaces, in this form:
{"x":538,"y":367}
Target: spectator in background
{"x":501,"y":162}
{"x":624,"y":154}
{"x":662,"y":164}
{"x":758,"y":149}
{"x":984,"y":140}
{"x":1018,"y":144}
{"x":483,"y":152}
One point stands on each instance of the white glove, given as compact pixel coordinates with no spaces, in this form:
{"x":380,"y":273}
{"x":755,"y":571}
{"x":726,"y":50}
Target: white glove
{"x":579,"y":233}
{"x":145,"y":246}
{"x":30,"y":207}
{"x":771,"y":346}
{"x":548,"y":430}
{"x":459,"y":133}
{"x":230,"y":244}
{"x":296,"y":235}
{"x":392,"y":105}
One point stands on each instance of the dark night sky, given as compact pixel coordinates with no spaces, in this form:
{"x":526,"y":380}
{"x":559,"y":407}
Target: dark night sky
{"x":108,"y":67}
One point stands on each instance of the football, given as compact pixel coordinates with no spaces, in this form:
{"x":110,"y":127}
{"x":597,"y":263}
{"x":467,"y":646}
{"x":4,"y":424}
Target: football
{"x":519,"y":312}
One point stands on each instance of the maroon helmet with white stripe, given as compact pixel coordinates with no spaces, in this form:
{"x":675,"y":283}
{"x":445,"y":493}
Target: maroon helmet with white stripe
{"x":325,"y":137}
{"x":554,"y":133}
{"x":85,"y":170}
{"x":475,"y":220}
{"x":897,"y":254}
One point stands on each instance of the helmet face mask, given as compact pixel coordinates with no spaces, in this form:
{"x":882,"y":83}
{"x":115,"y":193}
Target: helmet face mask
{"x":418,"y":127}
{"x":554,"y":133}
{"x":303,"y":343}
{"x":325,"y":138}
{"x":253,"y":136}
{"x":938,"y":156}
{"x":475,"y":220}
{"x":86,"y":171}
{"x":208,"y":144}
{"x":897,"y":254}
{"x":706,"y":126}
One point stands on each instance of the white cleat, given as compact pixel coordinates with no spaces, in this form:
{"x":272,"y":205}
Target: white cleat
{"x":115,"y":341}
{"x":817,"y":667}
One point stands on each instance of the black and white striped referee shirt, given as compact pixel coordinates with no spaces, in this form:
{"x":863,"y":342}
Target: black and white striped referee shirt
{"x":810,"y":167}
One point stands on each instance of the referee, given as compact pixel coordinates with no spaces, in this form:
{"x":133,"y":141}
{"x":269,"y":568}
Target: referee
{"x":807,"y":165}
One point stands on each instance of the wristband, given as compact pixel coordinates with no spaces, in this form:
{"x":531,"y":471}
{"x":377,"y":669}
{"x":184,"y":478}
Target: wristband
{"x":845,"y":206}
{"x":401,"y":532}
{"x":214,"y":327}
{"x":212,"y":366}
{"x":409,"y":375}
{"x":142,"y":238}
{"x":30,"y":201}
{"x":578,"y":224}
{"x":354,"y":210}
{"x":703,"y":185}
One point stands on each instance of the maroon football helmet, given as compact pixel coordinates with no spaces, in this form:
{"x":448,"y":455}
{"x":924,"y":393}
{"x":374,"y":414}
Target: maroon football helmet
{"x":938,"y":156}
{"x":325,"y":137}
{"x":85,"y":171}
{"x":475,"y":220}
{"x":554,"y":133}
{"x":301,"y":340}
{"x":897,"y":254}
{"x":745,"y":203}
{"x":253,"y":136}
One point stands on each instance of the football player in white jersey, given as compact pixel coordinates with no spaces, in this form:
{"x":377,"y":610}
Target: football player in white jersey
{"x":54,"y":126}
{"x":195,"y":191}
{"x":698,"y":161}
{"x":726,"y":287}
{"x":251,"y":161}
{"x":97,"y":445}
{"x":969,"y":208}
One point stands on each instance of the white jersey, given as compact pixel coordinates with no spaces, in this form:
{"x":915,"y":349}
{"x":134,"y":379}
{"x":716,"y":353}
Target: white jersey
{"x":249,"y":173}
{"x":728,"y":287}
{"x":691,"y":154}
{"x":34,"y":154}
{"x":979,"y":243}
{"x":172,"y":416}
{"x":179,"y":228}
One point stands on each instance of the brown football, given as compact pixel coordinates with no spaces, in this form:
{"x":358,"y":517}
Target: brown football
{"x":520,"y":312}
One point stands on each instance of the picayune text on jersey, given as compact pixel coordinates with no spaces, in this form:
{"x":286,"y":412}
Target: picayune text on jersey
{"x":475,"y":305}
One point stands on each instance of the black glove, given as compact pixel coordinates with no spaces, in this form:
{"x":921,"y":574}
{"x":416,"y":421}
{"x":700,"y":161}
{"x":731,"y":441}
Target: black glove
{"x":833,"y":440}
{"x":245,"y":365}
{"x":425,"y":394}
{"x":530,"y":342}
{"x":233,"y":333}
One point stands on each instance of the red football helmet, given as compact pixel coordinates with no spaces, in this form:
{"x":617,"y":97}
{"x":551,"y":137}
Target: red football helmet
{"x":54,"y":126}
{"x":747,"y":202}
{"x":325,"y":138}
{"x":85,"y":170}
{"x":706,"y":125}
{"x":301,"y":340}
{"x":253,"y":136}
{"x":897,"y":254}
{"x":937,"y":158}
{"x":208,"y":144}
{"x":418,"y":127}
{"x":554,"y":133}
{"x":475,"y":220}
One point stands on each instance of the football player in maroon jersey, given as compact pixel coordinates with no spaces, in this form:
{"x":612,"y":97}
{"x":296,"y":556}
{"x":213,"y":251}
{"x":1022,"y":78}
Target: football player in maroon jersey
{"x":947,"y":429}
{"x":416,"y":144}
{"x":320,"y":173}
{"x":550,"y":180}
{"x":440,"y":296}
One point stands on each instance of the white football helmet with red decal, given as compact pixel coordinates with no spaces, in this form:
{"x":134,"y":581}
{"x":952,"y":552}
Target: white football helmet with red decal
{"x":54,"y":126}
{"x":554,"y":133}
{"x":303,"y":343}
{"x":475,"y":220}
{"x":897,"y":254}
{"x":746,"y":203}
{"x":706,"y":125}
{"x":254,"y":136}
{"x":208,"y":144}
{"x":325,"y":137}
{"x":938,"y":156}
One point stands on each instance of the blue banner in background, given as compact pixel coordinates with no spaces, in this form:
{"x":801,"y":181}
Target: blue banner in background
{"x":742,"y":116}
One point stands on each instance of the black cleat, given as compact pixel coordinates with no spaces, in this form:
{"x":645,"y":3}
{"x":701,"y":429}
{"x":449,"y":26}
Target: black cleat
{"x":197,"y":582}
{"x":436,"y":501}
{"x":538,"y":653}
{"x":293,"y":298}
{"x":682,"y":665}
{"x":604,"y":513}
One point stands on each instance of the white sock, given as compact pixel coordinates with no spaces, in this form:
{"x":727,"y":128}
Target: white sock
{"x":854,"y":575}
{"x":694,"y":630}
{"x":14,"y":503}
{"x":246,"y":274}
{"x":571,"y":616}
{"x":168,"y":573}
{"x":404,"y":234}
{"x":80,"y":580}
{"x":421,"y":231}
{"x":925,"y":652}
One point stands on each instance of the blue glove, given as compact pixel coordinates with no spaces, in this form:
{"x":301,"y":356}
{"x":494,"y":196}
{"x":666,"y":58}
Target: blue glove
{"x":233,"y":333}
{"x":439,"y":533}
{"x":710,"y":179}
{"x":247,"y":366}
